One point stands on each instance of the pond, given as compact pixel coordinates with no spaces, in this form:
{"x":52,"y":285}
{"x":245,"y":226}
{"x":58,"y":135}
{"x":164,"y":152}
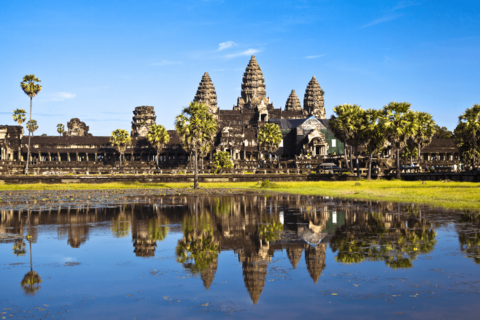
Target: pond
{"x":241,"y":255}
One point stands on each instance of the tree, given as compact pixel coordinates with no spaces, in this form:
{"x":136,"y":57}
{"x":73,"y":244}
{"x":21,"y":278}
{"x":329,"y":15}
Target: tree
{"x":400,"y":124}
{"x":442,"y":133}
{"x":222,"y":160}
{"x":349,"y":124}
{"x":158,"y":137}
{"x":467,"y":133}
{"x":32,"y":126}
{"x":423,"y":135}
{"x":60,"y":128}
{"x":30,"y":88}
{"x":19,"y":116}
{"x":373,"y":133}
{"x":409,"y":152}
{"x":120,"y":139}
{"x":196,"y":129}
{"x":270,"y":136}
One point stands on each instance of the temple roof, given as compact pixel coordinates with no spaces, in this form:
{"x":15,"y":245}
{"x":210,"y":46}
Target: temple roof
{"x":206,"y":93}
{"x":253,"y":81}
{"x":313,"y":101}
{"x":293,"y":103}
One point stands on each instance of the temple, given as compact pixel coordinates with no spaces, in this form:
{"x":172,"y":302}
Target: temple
{"x":307,"y":140}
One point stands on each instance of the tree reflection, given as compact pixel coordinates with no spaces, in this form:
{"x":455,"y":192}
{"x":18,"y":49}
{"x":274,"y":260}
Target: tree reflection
{"x":468,"y":230}
{"x":31,"y":280}
{"x":383,"y":237}
{"x":19,"y":248}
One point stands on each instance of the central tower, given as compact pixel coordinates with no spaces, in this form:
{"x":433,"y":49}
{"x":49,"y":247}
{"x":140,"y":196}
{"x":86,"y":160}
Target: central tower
{"x":253,"y":95}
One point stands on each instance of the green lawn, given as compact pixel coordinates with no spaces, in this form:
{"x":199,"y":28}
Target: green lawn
{"x":452,"y":195}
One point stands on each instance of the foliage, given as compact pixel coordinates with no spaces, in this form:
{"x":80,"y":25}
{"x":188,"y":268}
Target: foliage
{"x":60,"y":128}
{"x":120,"y":227}
{"x":467,"y":133}
{"x":424,"y":133}
{"x":120,"y":139}
{"x":267,"y":184}
{"x":158,"y":137}
{"x":30,"y":283}
{"x":443,"y":133}
{"x":270,"y":231}
{"x":196,"y":130}
{"x":29,"y":85}
{"x":222,"y":160}
{"x":19,"y":248}
{"x":270,"y":136}
{"x":19,"y":116}
{"x":32,"y":126}
{"x":409,"y":152}
{"x":156,"y":230}
{"x":373,"y":133}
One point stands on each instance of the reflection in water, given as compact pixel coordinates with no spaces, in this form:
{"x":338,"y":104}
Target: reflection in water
{"x":31,"y":280}
{"x":253,"y":227}
{"x":469,"y":235}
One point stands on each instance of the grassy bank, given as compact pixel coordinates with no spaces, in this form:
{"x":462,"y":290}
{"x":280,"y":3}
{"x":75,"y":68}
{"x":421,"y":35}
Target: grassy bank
{"x":452,"y":195}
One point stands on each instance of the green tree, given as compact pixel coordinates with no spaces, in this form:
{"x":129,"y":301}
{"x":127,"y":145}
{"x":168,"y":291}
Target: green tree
{"x":31,"y":88}
{"x":423,"y":135}
{"x":196,"y":129}
{"x":467,"y":133}
{"x":19,"y":116}
{"x":373,"y":133}
{"x":32,"y":126}
{"x":270,"y":136}
{"x":158,"y":137}
{"x":400,"y":125}
{"x":120,"y":139}
{"x":222,"y":160}
{"x":443,"y":133}
{"x":409,"y":152}
{"x":349,"y":123}
{"x":60,"y":128}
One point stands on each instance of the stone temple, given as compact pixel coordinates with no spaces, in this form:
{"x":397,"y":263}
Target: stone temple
{"x":307,"y":139}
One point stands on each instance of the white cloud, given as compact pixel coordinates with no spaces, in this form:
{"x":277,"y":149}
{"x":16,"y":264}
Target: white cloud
{"x":59,"y":96}
{"x":314,"y":57}
{"x":380,"y":20}
{"x":404,"y":4}
{"x":226,"y":45}
{"x":166,"y":63}
{"x":247,"y":52}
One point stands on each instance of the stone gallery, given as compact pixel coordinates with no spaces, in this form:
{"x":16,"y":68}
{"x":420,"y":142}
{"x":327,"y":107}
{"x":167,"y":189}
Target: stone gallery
{"x":307,"y":139}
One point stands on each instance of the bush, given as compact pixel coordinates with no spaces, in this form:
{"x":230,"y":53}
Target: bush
{"x":266,"y":184}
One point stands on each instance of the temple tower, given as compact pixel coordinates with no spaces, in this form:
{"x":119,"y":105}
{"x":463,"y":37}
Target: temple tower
{"x":206,"y":94}
{"x":293,"y":103}
{"x":253,"y":95}
{"x":143,"y":118}
{"x":313,"y":102}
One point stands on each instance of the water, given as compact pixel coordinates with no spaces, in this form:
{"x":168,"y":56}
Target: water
{"x":241,"y":255}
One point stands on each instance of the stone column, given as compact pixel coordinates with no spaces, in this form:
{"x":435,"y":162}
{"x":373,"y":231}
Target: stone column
{"x":68,"y":157}
{"x":49,"y":157}
{"x":95,"y":157}
{"x":59,"y":158}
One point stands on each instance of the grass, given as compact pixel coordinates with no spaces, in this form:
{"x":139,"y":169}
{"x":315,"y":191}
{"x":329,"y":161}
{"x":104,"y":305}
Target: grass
{"x":451,"y":195}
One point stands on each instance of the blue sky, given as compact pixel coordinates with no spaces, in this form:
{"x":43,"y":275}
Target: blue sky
{"x":98,"y":60}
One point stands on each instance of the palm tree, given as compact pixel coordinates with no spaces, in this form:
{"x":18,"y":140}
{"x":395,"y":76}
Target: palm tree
{"x":32,"y":126}
{"x":373,"y":132}
{"x":349,"y":123}
{"x":120,"y":139}
{"x":19,"y":116}
{"x":60,"y":128}
{"x":31,"y":88}
{"x":270,"y":136}
{"x":31,"y":280}
{"x":196,"y":129}
{"x":400,"y":124}
{"x":467,"y":133}
{"x":158,"y":138}
{"x":425,"y":131}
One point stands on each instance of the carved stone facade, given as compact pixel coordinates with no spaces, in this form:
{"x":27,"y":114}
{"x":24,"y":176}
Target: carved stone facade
{"x":77,"y":128}
{"x":143,"y":118}
{"x":313,"y":102}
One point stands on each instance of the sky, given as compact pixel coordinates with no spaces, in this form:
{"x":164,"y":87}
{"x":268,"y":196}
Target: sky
{"x":98,"y":60}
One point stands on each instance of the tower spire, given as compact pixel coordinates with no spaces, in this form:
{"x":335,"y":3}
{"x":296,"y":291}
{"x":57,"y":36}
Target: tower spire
{"x":313,"y":102}
{"x":206,"y":93}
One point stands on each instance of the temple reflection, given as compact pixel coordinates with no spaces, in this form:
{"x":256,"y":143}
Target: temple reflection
{"x":254,"y":227}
